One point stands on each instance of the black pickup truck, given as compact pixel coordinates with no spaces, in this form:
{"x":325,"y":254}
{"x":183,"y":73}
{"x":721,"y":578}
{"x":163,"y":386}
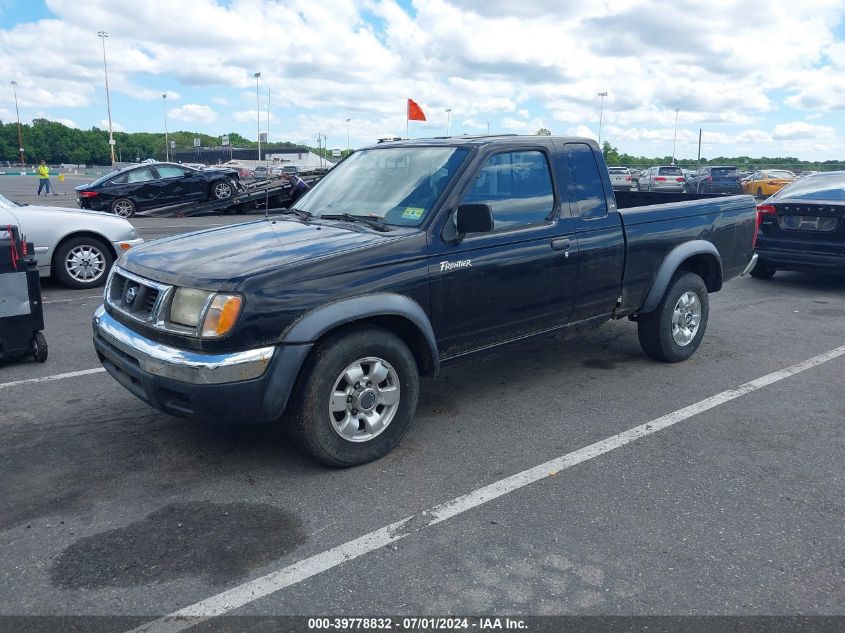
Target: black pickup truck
{"x":409,"y":254}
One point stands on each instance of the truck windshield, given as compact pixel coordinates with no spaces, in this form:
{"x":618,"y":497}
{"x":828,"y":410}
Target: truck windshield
{"x":397,"y":185}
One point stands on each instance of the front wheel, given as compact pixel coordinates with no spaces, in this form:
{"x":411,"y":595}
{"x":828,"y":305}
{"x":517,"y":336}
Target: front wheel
{"x":355,"y":398}
{"x":83,"y":262}
{"x":673,"y":331}
{"x":223,"y":190}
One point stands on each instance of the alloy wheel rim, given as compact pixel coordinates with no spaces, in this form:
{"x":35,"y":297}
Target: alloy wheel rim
{"x":222,"y":190}
{"x":364,"y":399}
{"x":123,"y":209}
{"x":85,"y":263}
{"x":686,"y":318}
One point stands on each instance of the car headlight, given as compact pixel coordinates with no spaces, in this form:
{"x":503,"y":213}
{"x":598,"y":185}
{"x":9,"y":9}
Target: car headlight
{"x":218,"y":311}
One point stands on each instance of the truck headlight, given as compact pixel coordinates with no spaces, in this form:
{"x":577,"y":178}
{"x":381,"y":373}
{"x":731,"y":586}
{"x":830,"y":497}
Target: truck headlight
{"x":212,"y":314}
{"x":187,"y":306}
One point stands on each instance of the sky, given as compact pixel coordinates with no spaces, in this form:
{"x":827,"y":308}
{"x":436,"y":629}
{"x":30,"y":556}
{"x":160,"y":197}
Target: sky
{"x":759,"y":77}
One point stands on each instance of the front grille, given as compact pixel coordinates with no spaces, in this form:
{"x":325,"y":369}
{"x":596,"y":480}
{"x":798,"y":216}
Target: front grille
{"x":139,"y":298}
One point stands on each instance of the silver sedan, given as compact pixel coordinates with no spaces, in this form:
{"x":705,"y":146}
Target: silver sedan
{"x":76,"y":247}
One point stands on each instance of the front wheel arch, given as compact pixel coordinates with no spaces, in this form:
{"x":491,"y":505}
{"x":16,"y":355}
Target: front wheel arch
{"x":397,"y":313}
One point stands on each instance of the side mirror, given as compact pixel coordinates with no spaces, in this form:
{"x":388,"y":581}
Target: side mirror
{"x":474,"y":218}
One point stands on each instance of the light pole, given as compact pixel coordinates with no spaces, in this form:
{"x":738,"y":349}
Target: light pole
{"x":448,"y":115}
{"x":601,"y":114}
{"x":103,"y":35}
{"x":488,"y":128}
{"x":347,"y":135}
{"x":18,"y":113}
{"x":166,"y":140}
{"x":258,"y":114}
{"x":675,"y":138}
{"x":268,"y":123}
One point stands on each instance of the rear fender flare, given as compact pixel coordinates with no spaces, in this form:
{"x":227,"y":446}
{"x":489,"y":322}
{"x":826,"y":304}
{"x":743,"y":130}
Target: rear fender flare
{"x":671,"y":263}
{"x":313,"y":325}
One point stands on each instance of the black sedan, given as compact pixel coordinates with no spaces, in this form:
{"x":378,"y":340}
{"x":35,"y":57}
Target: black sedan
{"x":140,"y":187}
{"x":802,"y":227}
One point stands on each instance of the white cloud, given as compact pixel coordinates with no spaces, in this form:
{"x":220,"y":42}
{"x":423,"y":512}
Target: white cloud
{"x":103,"y":124}
{"x":516,"y":64}
{"x":799,"y":130}
{"x":251,"y":116}
{"x":193,"y":113}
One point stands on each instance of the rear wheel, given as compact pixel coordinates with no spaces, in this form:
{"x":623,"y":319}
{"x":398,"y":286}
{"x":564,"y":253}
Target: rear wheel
{"x":673,"y":331}
{"x":356,"y":397}
{"x":759,"y":192}
{"x":762,"y":270}
{"x":123,"y":207}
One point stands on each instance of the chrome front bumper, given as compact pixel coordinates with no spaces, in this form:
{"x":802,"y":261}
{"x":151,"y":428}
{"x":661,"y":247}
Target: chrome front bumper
{"x":178,"y":364}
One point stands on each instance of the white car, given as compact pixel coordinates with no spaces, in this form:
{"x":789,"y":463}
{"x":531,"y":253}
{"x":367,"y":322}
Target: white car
{"x":74,"y":246}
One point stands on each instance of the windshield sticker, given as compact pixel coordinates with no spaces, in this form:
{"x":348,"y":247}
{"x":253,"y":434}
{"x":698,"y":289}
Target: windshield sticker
{"x":413,"y":213}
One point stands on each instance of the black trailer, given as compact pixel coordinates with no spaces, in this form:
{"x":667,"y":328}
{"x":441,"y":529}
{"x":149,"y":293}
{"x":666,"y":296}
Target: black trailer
{"x":21,"y":312}
{"x":274,"y":193}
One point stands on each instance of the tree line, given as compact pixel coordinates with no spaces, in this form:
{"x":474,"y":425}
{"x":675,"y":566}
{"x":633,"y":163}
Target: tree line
{"x":57,"y":143}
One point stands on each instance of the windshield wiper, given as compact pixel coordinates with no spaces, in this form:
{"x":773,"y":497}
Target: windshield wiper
{"x":302,"y":215}
{"x":375,"y":224}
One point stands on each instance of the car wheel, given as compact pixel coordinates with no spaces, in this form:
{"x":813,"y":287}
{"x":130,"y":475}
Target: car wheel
{"x":83,"y":262}
{"x":123,"y":207}
{"x":355,"y":398}
{"x":759,"y":192}
{"x":673,"y":331}
{"x":223,"y":189}
{"x":762,"y":270}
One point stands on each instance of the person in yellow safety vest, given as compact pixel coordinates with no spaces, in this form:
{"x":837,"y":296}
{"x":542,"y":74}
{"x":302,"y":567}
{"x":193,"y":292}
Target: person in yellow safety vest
{"x":43,"y":178}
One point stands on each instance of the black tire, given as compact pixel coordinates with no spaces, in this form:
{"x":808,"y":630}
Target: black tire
{"x":655,"y":329}
{"x":762,"y":270}
{"x":310,"y":424}
{"x":123,"y":208}
{"x":759,"y":192}
{"x":103,"y":262}
{"x":223,"y":189}
{"x":39,"y":347}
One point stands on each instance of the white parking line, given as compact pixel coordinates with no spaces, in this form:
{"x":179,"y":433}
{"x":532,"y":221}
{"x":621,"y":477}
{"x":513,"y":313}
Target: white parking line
{"x":253,"y":590}
{"x":70,"y":374}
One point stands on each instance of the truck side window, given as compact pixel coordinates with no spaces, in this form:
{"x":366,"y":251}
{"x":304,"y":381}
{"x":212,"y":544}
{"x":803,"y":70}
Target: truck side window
{"x":586,"y":180}
{"x":518,"y":188}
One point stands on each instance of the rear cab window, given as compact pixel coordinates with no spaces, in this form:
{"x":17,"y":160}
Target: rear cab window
{"x":585,"y":181}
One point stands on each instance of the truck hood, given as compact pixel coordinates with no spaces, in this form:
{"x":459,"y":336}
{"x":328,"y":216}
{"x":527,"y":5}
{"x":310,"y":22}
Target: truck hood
{"x":217,"y":259}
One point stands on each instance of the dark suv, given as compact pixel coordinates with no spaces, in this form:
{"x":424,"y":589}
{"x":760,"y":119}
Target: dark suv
{"x":722,"y":179}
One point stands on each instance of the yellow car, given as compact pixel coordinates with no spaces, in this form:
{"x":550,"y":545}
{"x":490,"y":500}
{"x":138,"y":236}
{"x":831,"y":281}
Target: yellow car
{"x":767,"y":182}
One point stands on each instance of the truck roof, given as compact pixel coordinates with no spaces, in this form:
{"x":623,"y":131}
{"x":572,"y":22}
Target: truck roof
{"x":478,"y":140}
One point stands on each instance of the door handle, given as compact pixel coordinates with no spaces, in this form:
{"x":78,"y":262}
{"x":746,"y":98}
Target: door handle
{"x":561,"y":244}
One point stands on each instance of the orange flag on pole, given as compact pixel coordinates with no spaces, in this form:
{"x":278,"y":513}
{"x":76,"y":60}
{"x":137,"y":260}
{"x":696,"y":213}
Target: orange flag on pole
{"x":415,"y":112}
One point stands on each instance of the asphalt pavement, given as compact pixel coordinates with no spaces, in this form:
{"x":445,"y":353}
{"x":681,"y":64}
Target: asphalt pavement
{"x":734,"y":507}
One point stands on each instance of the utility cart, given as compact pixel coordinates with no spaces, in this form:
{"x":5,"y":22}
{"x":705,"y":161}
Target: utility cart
{"x":21,"y":312}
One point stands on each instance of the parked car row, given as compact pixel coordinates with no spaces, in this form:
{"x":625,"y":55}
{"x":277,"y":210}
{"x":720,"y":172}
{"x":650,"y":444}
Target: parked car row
{"x":724,"y":179}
